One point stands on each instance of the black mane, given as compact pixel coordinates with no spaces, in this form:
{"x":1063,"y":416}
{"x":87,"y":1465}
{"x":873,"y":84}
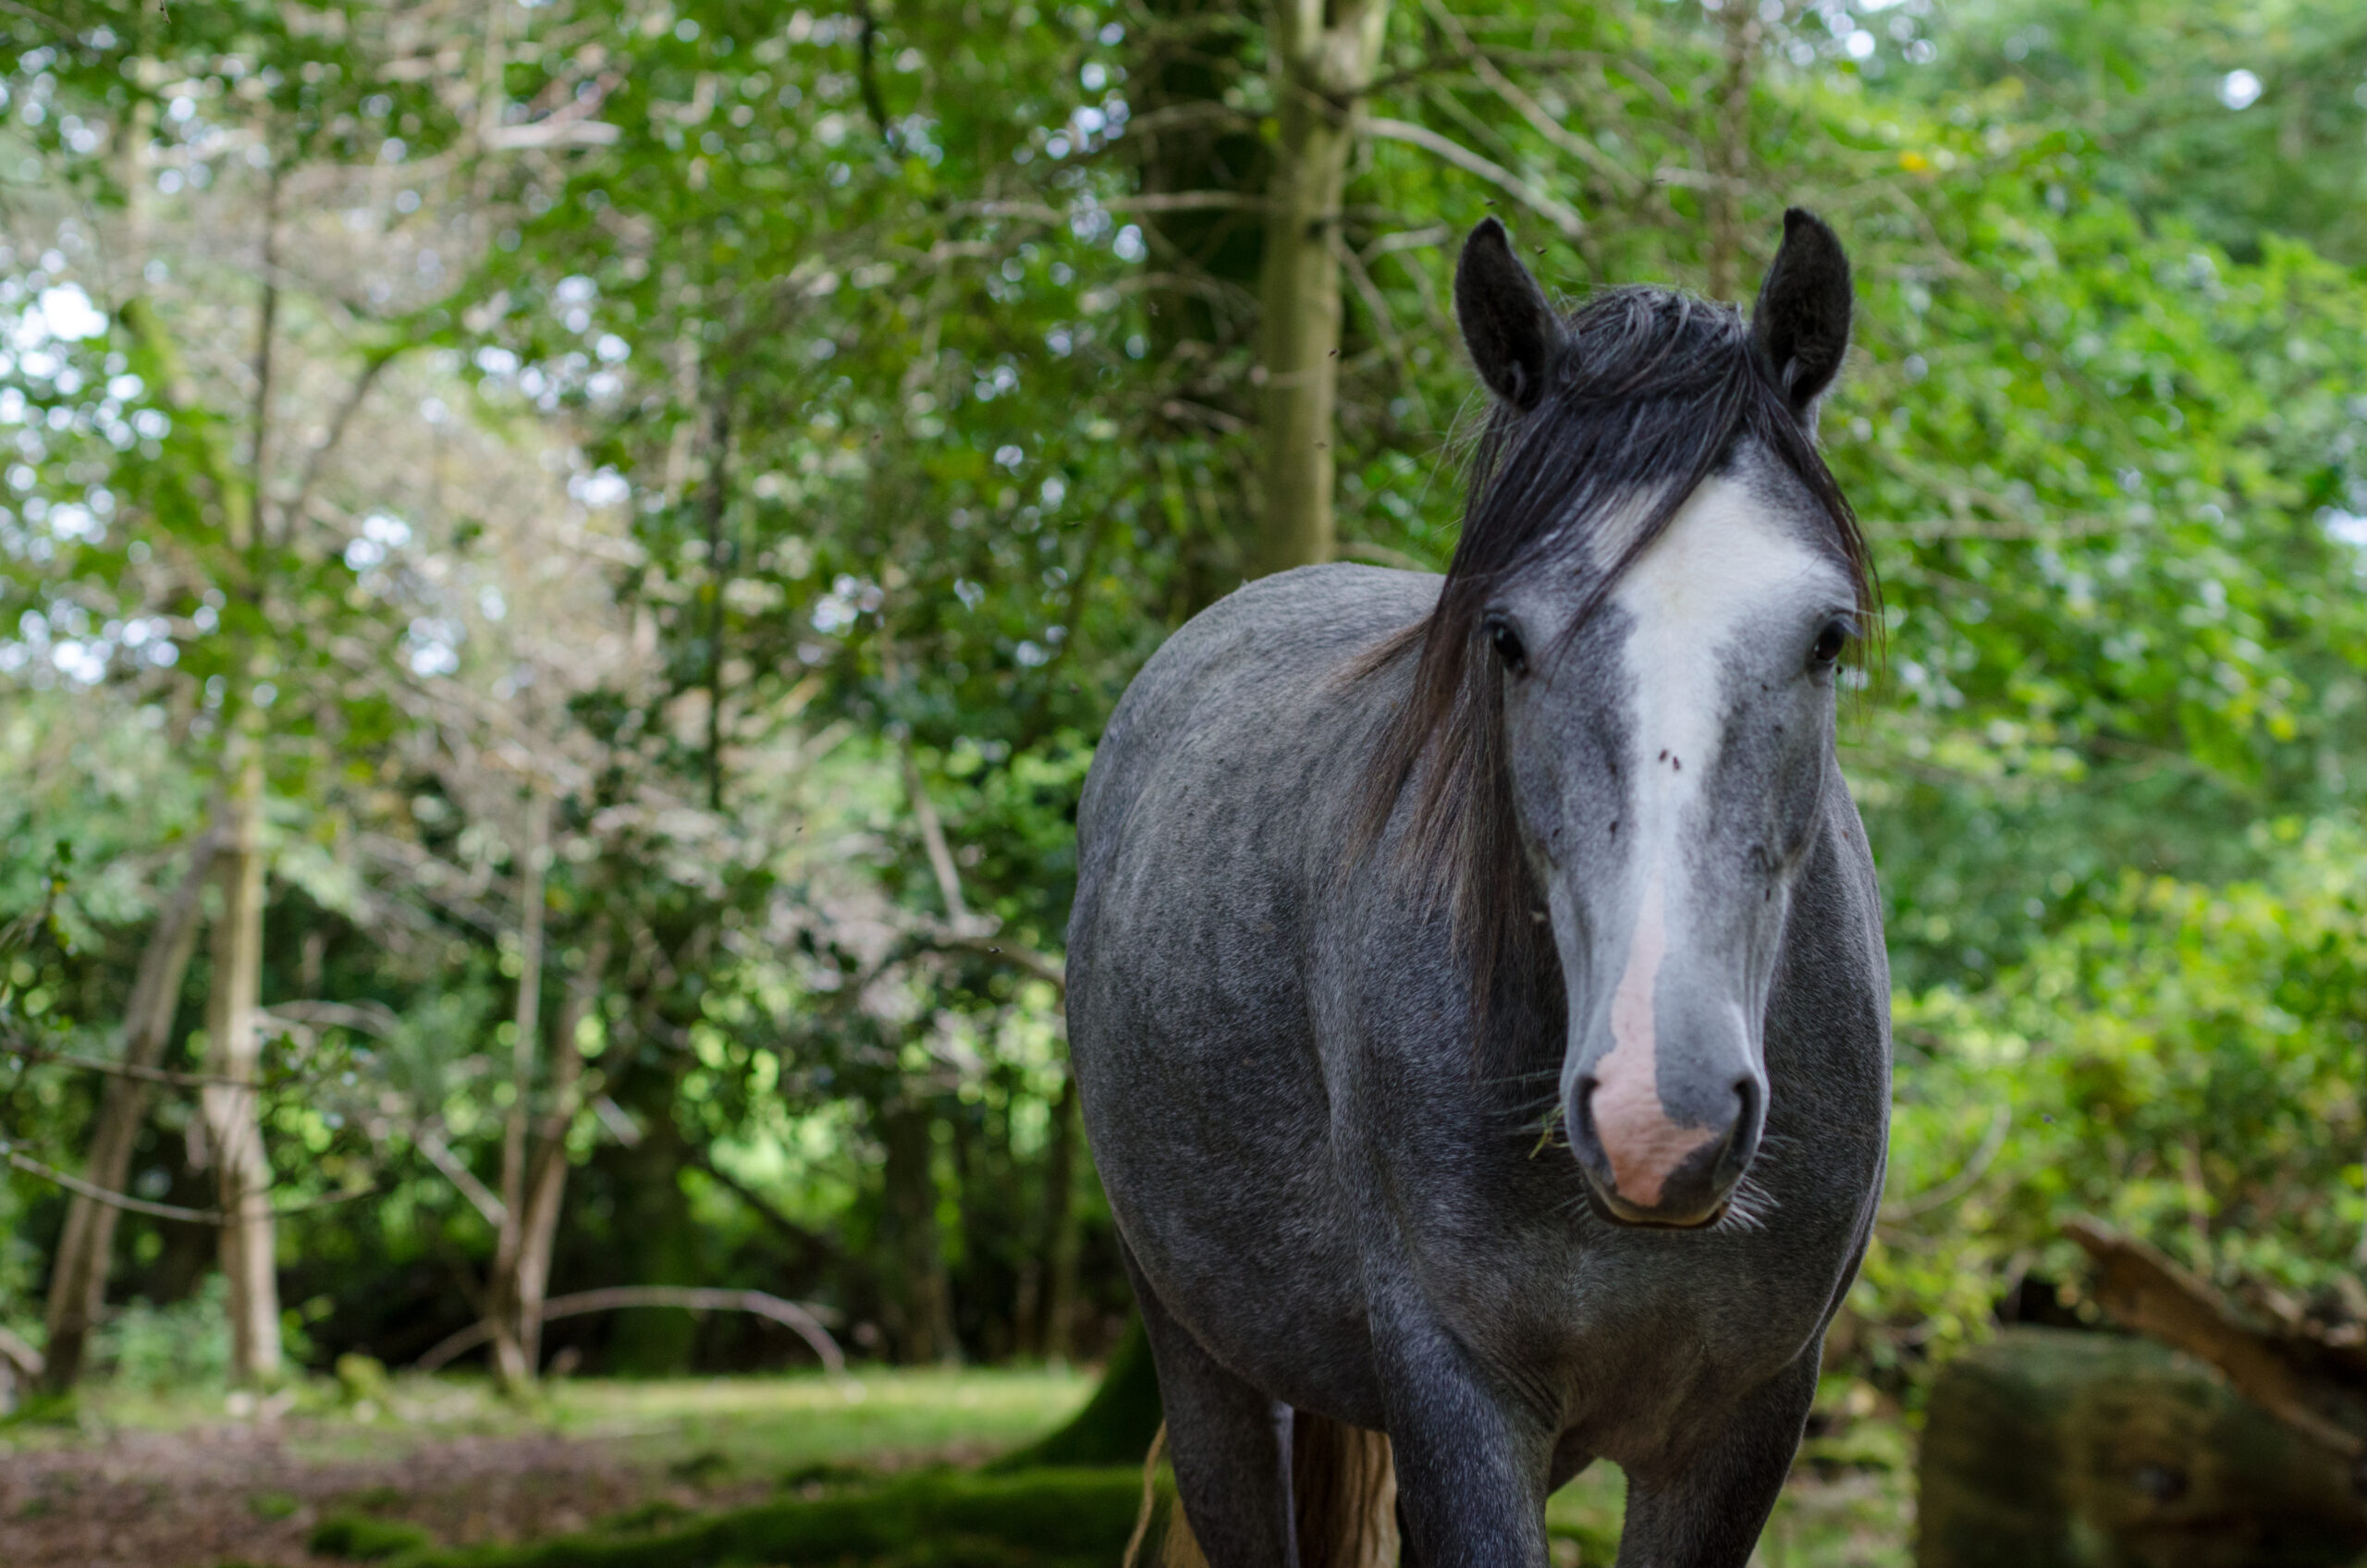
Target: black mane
{"x":1651,"y":393}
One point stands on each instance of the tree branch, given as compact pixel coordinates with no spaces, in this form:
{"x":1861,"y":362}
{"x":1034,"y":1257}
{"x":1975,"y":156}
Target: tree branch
{"x":1562,"y":217}
{"x":788,"y":1314}
{"x":2148,"y":1293}
{"x":481,"y":1197}
{"x":28,"y":1361}
{"x":814,"y":1244}
{"x":31,"y":1167}
{"x":316,"y":461}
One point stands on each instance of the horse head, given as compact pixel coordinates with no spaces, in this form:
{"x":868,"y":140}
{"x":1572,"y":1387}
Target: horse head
{"x":1645,"y":628}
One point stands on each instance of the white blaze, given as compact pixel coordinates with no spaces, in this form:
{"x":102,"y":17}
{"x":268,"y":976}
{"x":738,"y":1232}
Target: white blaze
{"x":1720,"y":572}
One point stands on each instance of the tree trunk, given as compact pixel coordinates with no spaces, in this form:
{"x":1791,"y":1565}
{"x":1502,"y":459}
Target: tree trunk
{"x":503,"y":1316}
{"x":1730,"y":150}
{"x":77,"y":1286}
{"x":1324,"y":59}
{"x":921,"y":1325}
{"x":546,"y":1182}
{"x":233,"y":1119}
{"x":1057,"y":1316}
{"x":656,"y":1239}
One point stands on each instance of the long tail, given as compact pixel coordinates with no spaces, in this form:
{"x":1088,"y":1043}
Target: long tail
{"x":1343,"y":1483}
{"x":1347,"y":1490}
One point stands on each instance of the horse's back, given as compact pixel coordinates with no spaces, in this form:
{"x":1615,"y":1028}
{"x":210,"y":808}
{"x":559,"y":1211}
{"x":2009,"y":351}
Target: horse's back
{"x":1272,"y":652}
{"x":1218,"y":804}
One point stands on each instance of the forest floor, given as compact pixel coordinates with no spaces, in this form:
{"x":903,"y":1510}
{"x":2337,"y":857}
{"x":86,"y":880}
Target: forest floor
{"x":141,"y":1480}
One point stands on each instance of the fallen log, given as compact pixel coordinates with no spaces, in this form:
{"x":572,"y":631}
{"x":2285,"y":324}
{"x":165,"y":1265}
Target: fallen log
{"x":2051,"y":1448}
{"x":2318,"y":1389}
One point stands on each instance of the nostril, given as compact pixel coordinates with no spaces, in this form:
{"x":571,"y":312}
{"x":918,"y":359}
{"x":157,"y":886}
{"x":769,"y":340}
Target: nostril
{"x":1742,"y":1137}
{"x":1581,"y":1107}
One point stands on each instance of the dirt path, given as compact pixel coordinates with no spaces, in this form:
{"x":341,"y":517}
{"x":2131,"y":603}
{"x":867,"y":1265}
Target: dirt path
{"x":248,"y":1492}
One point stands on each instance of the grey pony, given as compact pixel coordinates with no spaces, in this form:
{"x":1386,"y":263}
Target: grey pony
{"x":1354,"y":1160}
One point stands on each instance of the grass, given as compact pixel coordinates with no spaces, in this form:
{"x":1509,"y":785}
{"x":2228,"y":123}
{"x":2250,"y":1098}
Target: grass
{"x":693,"y":1426}
{"x":875,"y":1474}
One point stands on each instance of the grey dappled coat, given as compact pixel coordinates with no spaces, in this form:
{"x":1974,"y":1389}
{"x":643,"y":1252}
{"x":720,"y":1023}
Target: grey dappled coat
{"x":1608,"y":1209}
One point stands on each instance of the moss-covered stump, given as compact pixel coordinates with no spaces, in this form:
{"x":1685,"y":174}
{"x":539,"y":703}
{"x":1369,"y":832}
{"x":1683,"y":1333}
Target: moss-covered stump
{"x":2051,"y":1448}
{"x":943,"y":1519}
{"x":1117,"y":1424}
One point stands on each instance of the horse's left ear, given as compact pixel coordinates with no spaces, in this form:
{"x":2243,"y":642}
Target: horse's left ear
{"x":1800,"y":326}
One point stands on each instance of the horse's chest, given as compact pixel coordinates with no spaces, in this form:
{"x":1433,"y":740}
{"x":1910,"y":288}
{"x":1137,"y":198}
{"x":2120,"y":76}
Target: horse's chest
{"x":1630,"y":1331}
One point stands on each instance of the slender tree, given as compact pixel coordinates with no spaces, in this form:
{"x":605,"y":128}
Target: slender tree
{"x":1324,"y":56}
{"x":77,"y":1286}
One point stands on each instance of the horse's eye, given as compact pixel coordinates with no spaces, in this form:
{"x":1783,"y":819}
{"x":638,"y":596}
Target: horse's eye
{"x":1830,"y":643}
{"x":1507,"y":644}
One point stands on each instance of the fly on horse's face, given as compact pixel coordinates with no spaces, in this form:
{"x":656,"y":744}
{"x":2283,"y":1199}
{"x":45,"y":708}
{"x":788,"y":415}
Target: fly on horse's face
{"x":1668,"y":724}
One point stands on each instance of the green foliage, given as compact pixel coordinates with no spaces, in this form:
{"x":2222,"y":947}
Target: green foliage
{"x":2184,"y":1062}
{"x":183,"y":1345}
{"x":2239,"y":120}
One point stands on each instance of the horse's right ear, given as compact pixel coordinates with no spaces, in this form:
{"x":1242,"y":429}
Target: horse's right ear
{"x":1508,"y":323}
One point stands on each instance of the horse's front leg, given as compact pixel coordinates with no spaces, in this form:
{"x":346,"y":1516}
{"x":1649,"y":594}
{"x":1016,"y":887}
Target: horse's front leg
{"x":1707,"y":1510}
{"x":1472,"y":1461}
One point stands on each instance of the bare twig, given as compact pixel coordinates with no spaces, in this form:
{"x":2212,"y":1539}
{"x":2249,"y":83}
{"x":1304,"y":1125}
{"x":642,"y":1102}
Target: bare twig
{"x":367,"y":1017}
{"x":1024,"y":959}
{"x":134,"y":1071}
{"x":940,"y":856}
{"x":1963,"y":1180}
{"x":789,"y":1314}
{"x":126,"y":1202}
{"x":13,"y":9}
{"x":32,"y":1167}
{"x":28,"y":1361}
{"x":1187,"y":202}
